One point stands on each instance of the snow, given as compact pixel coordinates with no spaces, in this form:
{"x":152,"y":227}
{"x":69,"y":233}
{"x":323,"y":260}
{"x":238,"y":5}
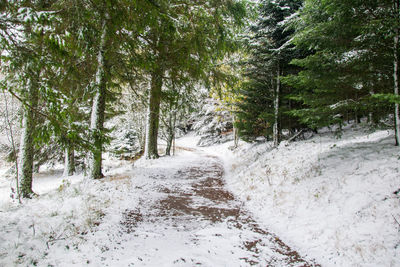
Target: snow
{"x":329,"y":199}
{"x":77,"y":221}
{"x":66,"y":212}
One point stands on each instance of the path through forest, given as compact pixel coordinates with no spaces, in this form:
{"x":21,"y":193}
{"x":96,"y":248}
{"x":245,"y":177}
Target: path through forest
{"x":186,"y":217}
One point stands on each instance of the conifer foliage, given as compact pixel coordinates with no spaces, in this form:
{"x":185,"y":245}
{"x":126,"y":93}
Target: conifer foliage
{"x":318,"y":63}
{"x":310,"y":63}
{"x":262,"y":111}
{"x":67,"y":60}
{"x":351,"y":71}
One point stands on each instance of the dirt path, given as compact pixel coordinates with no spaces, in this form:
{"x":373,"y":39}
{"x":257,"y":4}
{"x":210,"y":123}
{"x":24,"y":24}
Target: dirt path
{"x":188,"y":218}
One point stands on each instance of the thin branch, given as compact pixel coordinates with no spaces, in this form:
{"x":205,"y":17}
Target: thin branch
{"x":60,"y":124}
{"x":396,"y":220}
{"x":13,"y":147}
{"x":28,"y":105}
{"x":295,"y":136}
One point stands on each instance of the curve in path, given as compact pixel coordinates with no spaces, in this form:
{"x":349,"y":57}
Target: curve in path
{"x":195,"y":221}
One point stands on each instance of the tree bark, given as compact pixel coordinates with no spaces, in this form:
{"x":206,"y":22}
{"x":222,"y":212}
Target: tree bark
{"x":69,"y":164}
{"x":396,"y":73}
{"x":14,"y":150}
{"x":170,"y":139}
{"x":26,"y":145}
{"x":171,"y":132}
{"x":235,"y":133}
{"x":153,"y":115}
{"x":276,"y":111}
{"x":98,"y":109}
{"x":174,"y":145}
{"x":370,"y":114}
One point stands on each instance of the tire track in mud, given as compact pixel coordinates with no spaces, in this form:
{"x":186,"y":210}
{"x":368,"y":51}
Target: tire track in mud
{"x":198,"y":200}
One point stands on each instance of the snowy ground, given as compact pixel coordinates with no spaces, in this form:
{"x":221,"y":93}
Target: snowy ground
{"x":174,"y":211}
{"x":328,"y":199}
{"x":331,"y":199}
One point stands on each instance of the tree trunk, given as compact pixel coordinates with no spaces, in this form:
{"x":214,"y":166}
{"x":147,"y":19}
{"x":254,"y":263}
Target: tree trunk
{"x":153,"y":115}
{"x":170,"y":139}
{"x":69,"y":163}
{"x":276,"y":111}
{"x":396,"y":72}
{"x":174,"y":145}
{"x":370,"y":114}
{"x":171,"y":132}
{"x":26,"y":145}
{"x":14,"y":150}
{"x":235,"y":134}
{"x":98,"y":109}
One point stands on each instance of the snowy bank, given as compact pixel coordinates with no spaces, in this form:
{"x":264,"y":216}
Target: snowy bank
{"x":332,"y":199}
{"x":65,"y":224}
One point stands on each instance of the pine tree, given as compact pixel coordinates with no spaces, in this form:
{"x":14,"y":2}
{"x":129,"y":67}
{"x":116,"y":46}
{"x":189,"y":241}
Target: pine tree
{"x":72,"y":48}
{"x":351,"y":62}
{"x":23,"y":39}
{"x":262,"y":110}
{"x":69,"y":79}
{"x":111,"y":27}
{"x":189,"y":39}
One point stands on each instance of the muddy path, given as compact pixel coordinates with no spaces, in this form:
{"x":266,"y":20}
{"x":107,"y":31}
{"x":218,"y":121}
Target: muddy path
{"x":191,"y":219}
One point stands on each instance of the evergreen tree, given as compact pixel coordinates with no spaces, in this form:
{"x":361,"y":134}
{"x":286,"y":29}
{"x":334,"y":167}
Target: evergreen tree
{"x":111,"y":27}
{"x":75,"y":51}
{"x":189,"y":38}
{"x":262,"y":110}
{"x":351,"y":61}
{"x":70,"y":78}
{"x":24,"y":60}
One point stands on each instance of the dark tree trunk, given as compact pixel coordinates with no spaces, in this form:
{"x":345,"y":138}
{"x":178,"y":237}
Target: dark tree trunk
{"x":153,"y":119}
{"x":69,"y":164}
{"x":276,"y":127}
{"x":26,"y":146}
{"x":171,"y":131}
{"x":396,"y":71}
{"x":169,"y":144}
{"x":98,"y":109}
{"x":235,"y":133}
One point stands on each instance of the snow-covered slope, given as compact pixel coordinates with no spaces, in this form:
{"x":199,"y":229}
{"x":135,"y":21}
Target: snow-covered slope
{"x":332,"y":199}
{"x":65,"y":216}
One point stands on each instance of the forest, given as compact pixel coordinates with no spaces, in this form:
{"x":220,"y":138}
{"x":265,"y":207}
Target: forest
{"x":210,"y":132}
